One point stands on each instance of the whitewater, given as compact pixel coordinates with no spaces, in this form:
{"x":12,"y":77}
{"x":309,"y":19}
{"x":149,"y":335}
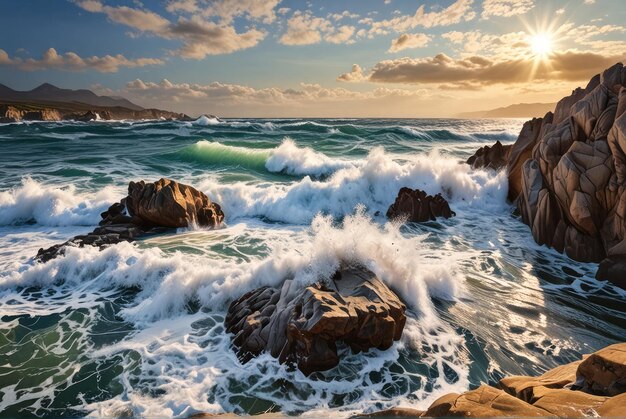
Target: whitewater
{"x":137,"y":328}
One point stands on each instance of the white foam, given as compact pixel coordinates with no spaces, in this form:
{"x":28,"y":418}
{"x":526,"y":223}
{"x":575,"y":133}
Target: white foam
{"x":53,"y":206}
{"x":206,"y":120}
{"x":291,"y":159}
{"x":374,"y":182}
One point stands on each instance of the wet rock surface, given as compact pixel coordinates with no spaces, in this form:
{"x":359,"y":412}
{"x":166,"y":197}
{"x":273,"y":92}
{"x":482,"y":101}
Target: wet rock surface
{"x":302,"y":327}
{"x":149,"y":208}
{"x":417,"y":206}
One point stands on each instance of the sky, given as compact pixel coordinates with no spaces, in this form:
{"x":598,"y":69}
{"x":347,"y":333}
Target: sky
{"x":283,"y":58}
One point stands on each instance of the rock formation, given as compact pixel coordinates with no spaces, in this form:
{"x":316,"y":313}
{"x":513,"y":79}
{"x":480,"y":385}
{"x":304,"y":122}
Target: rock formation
{"x":494,"y":157}
{"x":148,"y":208}
{"x":302,"y":327}
{"x":594,"y":386}
{"x":417,"y":206}
{"x":567,"y":174}
{"x":15,"y":112}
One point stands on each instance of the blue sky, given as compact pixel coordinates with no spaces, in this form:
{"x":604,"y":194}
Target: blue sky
{"x":282,"y":58}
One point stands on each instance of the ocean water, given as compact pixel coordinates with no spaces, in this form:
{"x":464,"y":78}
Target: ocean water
{"x":138,"y":328}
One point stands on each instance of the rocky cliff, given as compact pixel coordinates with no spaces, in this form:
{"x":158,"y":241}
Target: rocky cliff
{"x":567,"y":174}
{"x":14,"y":112}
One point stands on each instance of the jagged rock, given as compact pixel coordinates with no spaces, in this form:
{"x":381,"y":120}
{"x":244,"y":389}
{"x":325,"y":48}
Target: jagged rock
{"x":302,"y":327}
{"x":604,"y":372}
{"x":571,"y":189}
{"x":117,"y":225}
{"x":563,"y":107}
{"x":494,"y":157}
{"x":483,"y":402}
{"x":522,"y":150}
{"x":10,"y":114}
{"x":417,"y":206}
{"x":171,"y":204}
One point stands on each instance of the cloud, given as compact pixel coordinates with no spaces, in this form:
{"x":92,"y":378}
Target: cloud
{"x":199,"y":37}
{"x":409,"y":40}
{"x":484,"y":71}
{"x":355,"y":75}
{"x":590,"y":1}
{"x":303,"y":28}
{"x":256,"y":10}
{"x":460,"y":10}
{"x":70,"y":61}
{"x":240,"y":94}
{"x":506,"y":8}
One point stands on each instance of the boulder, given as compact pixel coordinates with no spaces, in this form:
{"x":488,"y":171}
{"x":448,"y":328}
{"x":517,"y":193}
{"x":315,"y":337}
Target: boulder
{"x":604,"y":372}
{"x":302,"y":327}
{"x":167,"y":203}
{"x":494,"y":157}
{"x":417,"y":206}
{"x":118,"y":225}
{"x":523,"y":387}
{"x":485,"y":401}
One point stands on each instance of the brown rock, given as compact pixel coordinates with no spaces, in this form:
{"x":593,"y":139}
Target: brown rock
{"x":523,"y":387}
{"x":494,"y":157}
{"x":301,"y":327}
{"x":563,"y":107}
{"x":522,"y":150}
{"x":417,"y":206}
{"x":485,"y":401}
{"x":613,"y":407}
{"x":567,"y":403}
{"x":168,"y":203}
{"x":396,"y":412}
{"x":604,"y":372}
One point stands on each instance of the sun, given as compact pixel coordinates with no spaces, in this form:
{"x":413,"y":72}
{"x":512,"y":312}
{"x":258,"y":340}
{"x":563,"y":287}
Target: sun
{"x":541,"y":44}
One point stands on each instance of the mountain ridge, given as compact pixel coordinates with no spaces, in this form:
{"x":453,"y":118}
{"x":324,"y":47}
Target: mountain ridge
{"x":47,"y":92}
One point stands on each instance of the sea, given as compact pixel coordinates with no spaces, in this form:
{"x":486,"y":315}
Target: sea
{"x":137,"y":328}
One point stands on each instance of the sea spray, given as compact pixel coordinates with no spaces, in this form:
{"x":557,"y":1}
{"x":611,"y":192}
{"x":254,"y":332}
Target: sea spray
{"x":53,"y":206}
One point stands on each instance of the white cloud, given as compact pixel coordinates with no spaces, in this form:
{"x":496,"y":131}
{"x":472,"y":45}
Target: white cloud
{"x":354,"y":75}
{"x":460,"y":10}
{"x":409,"y":40}
{"x":303,"y":28}
{"x":506,"y":8}
{"x":199,"y":37}
{"x":70,"y":61}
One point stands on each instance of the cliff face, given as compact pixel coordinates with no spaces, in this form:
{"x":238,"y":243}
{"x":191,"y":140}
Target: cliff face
{"x":14,"y":112}
{"x":567,"y":174}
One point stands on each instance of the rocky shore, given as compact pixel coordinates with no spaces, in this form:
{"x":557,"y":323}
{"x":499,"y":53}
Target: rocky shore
{"x":15,"y":112}
{"x":567,"y":174}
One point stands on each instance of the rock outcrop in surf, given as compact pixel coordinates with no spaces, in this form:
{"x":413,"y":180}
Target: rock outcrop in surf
{"x":417,"y":206}
{"x":567,"y":174}
{"x":302,"y":327}
{"x":594,"y":386}
{"x":148,"y":208}
{"x":494,"y":157}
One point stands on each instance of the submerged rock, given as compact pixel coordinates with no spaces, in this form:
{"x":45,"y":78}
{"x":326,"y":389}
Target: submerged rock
{"x":302,"y":327}
{"x":147,"y":209}
{"x":417,"y":206}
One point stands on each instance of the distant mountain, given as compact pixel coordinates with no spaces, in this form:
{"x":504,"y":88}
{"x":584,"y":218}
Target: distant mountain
{"x":49,"y":93}
{"x":519,"y":110}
